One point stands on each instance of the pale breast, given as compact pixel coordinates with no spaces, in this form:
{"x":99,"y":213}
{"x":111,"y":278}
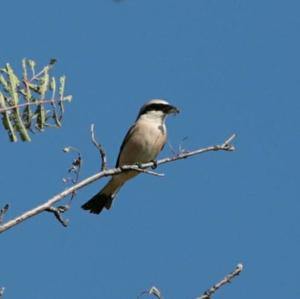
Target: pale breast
{"x":144,"y":143}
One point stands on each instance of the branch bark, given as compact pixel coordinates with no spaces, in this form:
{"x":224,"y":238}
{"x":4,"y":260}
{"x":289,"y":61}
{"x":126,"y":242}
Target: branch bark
{"x":48,"y":205}
{"x":227,"y":279}
{"x":207,"y":294}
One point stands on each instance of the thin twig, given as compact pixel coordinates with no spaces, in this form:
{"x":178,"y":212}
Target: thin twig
{"x":46,"y":68}
{"x":227,"y":279}
{"x":100,"y":149}
{"x":35,"y":103}
{"x":110,"y":172}
{"x":75,"y":167}
{"x":152,"y":291}
{"x":138,"y":169}
{"x":58,"y":213}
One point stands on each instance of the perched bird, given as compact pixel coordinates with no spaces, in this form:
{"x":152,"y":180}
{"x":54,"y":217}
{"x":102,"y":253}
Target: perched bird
{"x":143,"y":142}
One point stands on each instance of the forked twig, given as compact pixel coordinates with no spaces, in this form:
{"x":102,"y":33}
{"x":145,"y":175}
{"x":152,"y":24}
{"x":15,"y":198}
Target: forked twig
{"x":58,"y":213}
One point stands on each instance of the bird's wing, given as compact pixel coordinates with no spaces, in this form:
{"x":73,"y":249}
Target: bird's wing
{"x":127,"y":137}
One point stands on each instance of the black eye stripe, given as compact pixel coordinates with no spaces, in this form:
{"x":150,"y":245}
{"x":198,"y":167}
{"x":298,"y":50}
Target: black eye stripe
{"x":155,"y":107}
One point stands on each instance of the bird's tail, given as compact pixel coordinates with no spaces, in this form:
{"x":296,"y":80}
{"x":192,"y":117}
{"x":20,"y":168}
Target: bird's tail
{"x":102,"y":199}
{"x":99,"y":201}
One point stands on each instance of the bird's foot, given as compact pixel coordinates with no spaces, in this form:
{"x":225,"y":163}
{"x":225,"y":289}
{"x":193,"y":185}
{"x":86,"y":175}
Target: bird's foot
{"x":154,"y":166}
{"x":138,"y":164}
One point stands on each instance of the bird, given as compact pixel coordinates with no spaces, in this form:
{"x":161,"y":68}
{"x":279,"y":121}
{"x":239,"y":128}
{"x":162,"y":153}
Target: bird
{"x":143,"y":142}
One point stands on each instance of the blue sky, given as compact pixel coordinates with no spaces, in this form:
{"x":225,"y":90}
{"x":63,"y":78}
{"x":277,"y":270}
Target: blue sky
{"x":230,"y":66}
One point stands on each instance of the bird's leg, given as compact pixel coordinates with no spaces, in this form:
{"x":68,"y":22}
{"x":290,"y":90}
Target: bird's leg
{"x":154,"y":166}
{"x":138,"y":164}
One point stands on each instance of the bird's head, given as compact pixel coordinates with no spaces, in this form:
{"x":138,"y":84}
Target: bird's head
{"x":157,"y":108}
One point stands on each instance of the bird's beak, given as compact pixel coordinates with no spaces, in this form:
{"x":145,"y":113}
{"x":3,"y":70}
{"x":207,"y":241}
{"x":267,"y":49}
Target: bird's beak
{"x":173,"y":110}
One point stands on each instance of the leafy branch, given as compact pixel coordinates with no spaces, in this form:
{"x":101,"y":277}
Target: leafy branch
{"x":33,"y":102}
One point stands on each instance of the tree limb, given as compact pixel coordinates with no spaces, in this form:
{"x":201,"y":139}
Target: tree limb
{"x":227,"y":279}
{"x":48,"y":205}
{"x":207,"y":294}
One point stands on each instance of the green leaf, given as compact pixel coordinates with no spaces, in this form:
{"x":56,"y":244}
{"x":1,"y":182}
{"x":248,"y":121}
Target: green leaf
{"x":32,"y":102}
{"x":6,"y":120}
{"x":44,"y":84}
{"x":4,"y":83}
{"x":41,"y":117}
{"x":24,"y":69}
{"x":53,"y":84}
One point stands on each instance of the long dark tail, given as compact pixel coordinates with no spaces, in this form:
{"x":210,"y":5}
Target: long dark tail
{"x":104,"y":198}
{"x":99,"y":201}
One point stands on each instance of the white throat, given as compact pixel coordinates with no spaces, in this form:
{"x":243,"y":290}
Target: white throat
{"x":154,"y":116}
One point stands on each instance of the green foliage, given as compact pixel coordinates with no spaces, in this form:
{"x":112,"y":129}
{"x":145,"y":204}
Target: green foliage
{"x":31,"y":103}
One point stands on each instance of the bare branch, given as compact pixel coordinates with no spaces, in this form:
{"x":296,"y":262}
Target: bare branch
{"x":153,"y":291}
{"x":58,"y":213}
{"x":100,"y":149}
{"x":227,"y":144}
{"x":207,"y":294}
{"x":227,"y":279}
{"x":110,"y":172}
{"x":138,"y":169}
